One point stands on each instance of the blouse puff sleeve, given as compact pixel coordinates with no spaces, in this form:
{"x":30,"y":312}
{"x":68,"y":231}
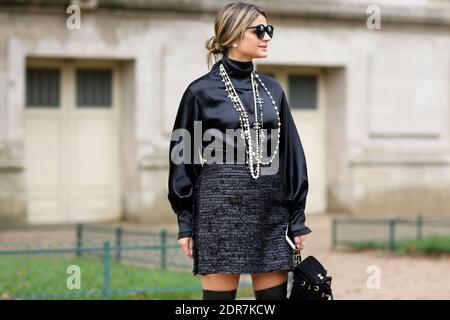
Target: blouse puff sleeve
{"x":294,"y":170}
{"x":182,"y":176}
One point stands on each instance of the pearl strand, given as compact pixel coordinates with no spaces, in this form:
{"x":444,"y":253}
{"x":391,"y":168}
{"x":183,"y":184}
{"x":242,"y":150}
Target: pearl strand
{"x":278,"y":119}
{"x":237,"y":103}
{"x":243,"y":117}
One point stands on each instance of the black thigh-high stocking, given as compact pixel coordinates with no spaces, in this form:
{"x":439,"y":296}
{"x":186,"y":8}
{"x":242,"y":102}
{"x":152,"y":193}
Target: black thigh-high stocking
{"x":219,"y":295}
{"x":277,"y":292}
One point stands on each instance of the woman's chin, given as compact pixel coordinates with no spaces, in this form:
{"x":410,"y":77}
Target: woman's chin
{"x":262,"y":54}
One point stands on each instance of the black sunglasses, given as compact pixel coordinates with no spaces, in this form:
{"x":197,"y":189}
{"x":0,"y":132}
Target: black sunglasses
{"x":261,"y":30}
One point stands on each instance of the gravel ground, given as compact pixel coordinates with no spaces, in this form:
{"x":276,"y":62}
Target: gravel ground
{"x":400,"y":277}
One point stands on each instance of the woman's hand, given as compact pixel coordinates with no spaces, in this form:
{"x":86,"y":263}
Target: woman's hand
{"x":300,"y":242}
{"x":186,"y":245}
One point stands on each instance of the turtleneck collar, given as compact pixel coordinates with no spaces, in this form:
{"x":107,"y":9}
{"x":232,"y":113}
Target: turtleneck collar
{"x":235,"y":68}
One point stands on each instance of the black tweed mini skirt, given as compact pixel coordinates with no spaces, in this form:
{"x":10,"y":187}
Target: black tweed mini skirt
{"x":239,"y":223}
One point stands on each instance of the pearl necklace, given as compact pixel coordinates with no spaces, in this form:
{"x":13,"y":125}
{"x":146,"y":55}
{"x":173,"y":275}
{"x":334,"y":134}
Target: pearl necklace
{"x":243,"y":118}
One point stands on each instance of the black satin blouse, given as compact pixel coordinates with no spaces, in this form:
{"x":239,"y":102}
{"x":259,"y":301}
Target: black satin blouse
{"x":206,"y":100}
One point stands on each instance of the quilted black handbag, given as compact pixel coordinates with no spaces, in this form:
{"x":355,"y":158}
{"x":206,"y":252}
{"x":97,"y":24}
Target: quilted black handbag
{"x":310,"y":280}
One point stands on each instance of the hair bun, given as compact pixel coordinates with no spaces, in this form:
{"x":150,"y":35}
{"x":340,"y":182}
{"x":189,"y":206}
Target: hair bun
{"x":213,"y":45}
{"x":218,"y":47}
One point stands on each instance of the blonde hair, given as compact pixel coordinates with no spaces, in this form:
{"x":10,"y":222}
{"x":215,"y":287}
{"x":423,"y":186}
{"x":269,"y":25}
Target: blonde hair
{"x":230,"y":25}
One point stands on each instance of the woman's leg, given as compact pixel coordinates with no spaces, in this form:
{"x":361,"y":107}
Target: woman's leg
{"x":270,"y":285}
{"x":219,"y":286}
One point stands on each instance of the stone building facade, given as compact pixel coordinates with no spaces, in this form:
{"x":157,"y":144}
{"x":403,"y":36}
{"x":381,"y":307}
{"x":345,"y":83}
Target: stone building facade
{"x":86,"y":114}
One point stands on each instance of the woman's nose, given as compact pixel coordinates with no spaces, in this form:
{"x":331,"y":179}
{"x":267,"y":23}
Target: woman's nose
{"x":267,"y":37}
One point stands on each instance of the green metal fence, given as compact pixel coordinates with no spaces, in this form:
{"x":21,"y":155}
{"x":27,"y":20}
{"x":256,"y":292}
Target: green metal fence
{"x":389,"y":232}
{"x":93,"y":262}
{"x":45,"y":272}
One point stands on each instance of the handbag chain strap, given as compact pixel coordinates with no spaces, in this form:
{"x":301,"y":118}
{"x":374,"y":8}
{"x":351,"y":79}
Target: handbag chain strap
{"x":297,"y":256}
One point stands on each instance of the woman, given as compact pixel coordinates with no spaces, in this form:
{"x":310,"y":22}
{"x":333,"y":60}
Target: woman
{"x":233,"y":215}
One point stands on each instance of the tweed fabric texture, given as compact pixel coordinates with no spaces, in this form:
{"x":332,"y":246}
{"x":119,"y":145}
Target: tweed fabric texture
{"x":239,"y":223}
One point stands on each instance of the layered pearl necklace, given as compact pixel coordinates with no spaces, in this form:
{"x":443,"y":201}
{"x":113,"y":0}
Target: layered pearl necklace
{"x":245,"y":126}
